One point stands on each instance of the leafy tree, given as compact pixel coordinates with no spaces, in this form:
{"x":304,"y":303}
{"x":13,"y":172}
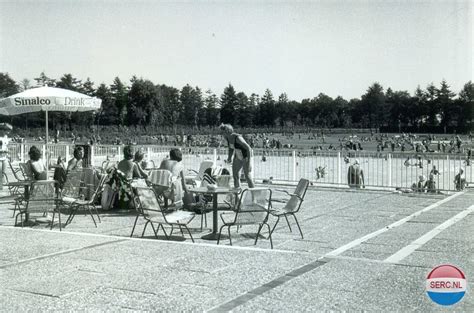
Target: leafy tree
{"x":191,"y":100}
{"x":466,"y":104}
{"x":67,"y":81}
{"x":398,"y":103}
{"x":120,"y":95}
{"x":8,"y":86}
{"x":170,"y":105}
{"x":108,"y":113}
{"x":229,"y":103}
{"x":245,"y":111}
{"x":211,"y":103}
{"x":143,"y":102}
{"x":419,"y":111}
{"x":25,"y":84}
{"x":432,"y":105}
{"x":343,"y":112}
{"x":325,"y":113}
{"x":43,"y":80}
{"x":282,"y":108}
{"x":87,"y":88}
{"x":267,"y":114}
{"x":373,"y":102}
{"x":444,"y":98}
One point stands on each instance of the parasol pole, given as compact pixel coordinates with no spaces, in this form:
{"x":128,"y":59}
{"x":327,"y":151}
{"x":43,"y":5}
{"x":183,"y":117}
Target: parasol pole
{"x":46,"y":114}
{"x":46,"y":139}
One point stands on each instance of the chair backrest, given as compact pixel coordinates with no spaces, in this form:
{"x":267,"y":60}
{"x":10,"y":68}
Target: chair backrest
{"x":100,"y":188}
{"x":17,"y":172}
{"x":26,"y":170}
{"x":302,"y":187}
{"x":253,"y":206}
{"x":208,"y":178}
{"x":150,"y":164}
{"x":223,"y":180}
{"x":42,"y":197}
{"x":203,"y":167}
{"x":147,"y":203}
{"x":161,"y":178}
{"x":295,"y":201}
{"x":107,"y":164}
{"x":73,"y":183}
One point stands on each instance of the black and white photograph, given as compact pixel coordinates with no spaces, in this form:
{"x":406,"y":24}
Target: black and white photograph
{"x":236,"y":156}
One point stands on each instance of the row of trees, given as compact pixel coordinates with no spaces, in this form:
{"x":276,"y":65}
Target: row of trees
{"x":141,"y":102}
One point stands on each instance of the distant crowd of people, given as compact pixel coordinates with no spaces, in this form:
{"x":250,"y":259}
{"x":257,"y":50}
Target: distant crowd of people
{"x":241,"y":152}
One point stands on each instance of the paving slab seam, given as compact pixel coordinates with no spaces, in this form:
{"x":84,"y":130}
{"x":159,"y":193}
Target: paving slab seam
{"x":36,"y":293}
{"x":50,"y":255}
{"x":402,"y":221}
{"x":351,"y":258}
{"x":249,"y":295}
{"x":133,"y":290}
{"x":124,"y":239}
{"x":418,"y":243}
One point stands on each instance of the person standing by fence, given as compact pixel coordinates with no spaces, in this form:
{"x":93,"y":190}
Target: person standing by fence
{"x":240,"y":155}
{"x":4,"y":140}
{"x":355,"y":176}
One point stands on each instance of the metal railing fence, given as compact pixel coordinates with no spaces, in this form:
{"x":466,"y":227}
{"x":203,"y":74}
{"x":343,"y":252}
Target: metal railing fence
{"x":381,"y":169}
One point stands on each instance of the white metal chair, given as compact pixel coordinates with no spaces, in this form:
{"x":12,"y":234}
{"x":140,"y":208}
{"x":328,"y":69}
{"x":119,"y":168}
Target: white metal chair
{"x":26,"y":171}
{"x":252,"y":208}
{"x":147,"y":205}
{"x":88,"y":205}
{"x":42,"y":199}
{"x":290,"y":206}
{"x":196,"y":180}
{"x":167,"y":186}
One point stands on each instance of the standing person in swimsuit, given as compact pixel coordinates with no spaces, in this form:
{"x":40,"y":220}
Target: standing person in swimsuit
{"x":240,"y":154}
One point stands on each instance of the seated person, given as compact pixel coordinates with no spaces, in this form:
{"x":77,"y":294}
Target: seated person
{"x":127,"y":166}
{"x":174,"y":166}
{"x":36,"y":165}
{"x":420,"y":186}
{"x":138,"y":159}
{"x":430,"y":185}
{"x":76,"y":162}
{"x":460,"y":181}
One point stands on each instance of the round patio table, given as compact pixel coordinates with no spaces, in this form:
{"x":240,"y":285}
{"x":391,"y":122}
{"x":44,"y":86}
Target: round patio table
{"x":214,"y":192}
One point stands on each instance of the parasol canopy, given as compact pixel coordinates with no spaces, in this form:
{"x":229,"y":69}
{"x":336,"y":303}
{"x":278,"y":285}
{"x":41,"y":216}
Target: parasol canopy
{"x":48,"y":99}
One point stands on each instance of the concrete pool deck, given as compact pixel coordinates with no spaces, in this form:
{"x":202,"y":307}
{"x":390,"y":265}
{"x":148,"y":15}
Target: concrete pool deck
{"x":345,"y":261}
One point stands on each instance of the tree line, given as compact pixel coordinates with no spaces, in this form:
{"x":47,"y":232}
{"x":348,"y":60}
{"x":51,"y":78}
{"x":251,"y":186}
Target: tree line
{"x":140,"y":102}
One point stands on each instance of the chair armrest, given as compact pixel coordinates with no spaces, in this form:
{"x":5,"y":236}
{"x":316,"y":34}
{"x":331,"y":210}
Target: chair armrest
{"x":286,"y":200}
{"x":43,"y":182}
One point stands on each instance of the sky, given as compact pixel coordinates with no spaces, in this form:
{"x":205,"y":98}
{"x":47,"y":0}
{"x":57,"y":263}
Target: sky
{"x":303,"y":48}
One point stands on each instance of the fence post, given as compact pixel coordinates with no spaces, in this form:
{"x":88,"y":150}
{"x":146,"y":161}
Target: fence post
{"x":389,"y":170}
{"x":339,"y":169}
{"x":67,"y":153}
{"x":215,"y":155}
{"x":449,"y":174}
{"x":44,"y":154}
{"x":119,"y":151}
{"x":148,"y":153}
{"x":92,"y":155}
{"x":22,"y":153}
{"x":294,"y":165}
